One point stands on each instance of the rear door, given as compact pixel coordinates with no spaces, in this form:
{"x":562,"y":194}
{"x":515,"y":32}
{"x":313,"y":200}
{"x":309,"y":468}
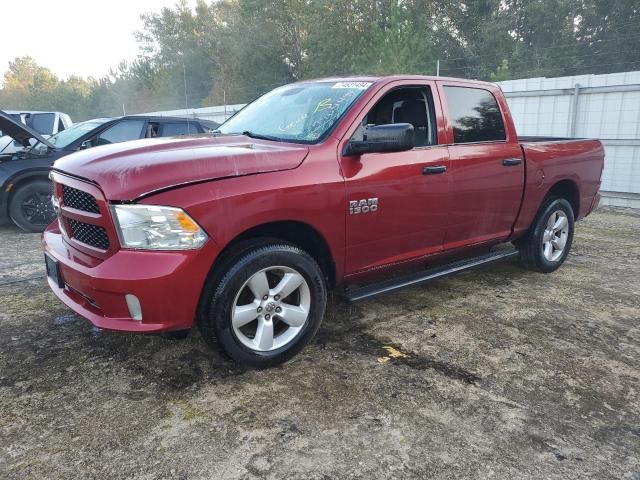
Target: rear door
{"x":397,"y":202}
{"x":487,"y":167}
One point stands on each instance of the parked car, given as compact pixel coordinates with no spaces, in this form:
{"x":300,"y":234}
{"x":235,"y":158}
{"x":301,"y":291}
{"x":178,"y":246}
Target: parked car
{"x":316,"y":185}
{"x":45,"y":123}
{"x":25,"y":189}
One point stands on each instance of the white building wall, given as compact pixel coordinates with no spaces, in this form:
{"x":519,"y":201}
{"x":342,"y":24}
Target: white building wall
{"x":608,"y":108}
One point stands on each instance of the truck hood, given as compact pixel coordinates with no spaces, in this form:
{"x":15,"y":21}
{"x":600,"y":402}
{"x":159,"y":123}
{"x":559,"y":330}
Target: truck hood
{"x":127,"y":171}
{"x":20,"y":132}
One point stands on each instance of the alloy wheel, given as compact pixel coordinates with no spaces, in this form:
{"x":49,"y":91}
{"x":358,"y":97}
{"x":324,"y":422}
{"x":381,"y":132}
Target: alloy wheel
{"x":37,"y":208}
{"x":271,"y":309}
{"x":555,"y":236}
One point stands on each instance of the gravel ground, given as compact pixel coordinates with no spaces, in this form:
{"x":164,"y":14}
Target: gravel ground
{"x":498,"y":373}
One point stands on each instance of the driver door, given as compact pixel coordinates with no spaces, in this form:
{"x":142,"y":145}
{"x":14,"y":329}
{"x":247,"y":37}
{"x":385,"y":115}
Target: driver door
{"x":398,"y":201}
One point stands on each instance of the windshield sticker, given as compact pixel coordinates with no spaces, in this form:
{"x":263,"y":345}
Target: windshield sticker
{"x":353,"y":85}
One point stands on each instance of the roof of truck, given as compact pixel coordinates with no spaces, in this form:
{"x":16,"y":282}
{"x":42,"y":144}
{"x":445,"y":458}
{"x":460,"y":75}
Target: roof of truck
{"x":391,"y":78}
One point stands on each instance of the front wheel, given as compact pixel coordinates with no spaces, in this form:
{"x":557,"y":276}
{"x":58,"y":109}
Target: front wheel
{"x":31,"y":208}
{"x":549,"y":239}
{"x":268,"y":305}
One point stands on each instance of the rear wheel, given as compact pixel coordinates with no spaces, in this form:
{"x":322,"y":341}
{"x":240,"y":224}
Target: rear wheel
{"x":31,"y":208}
{"x":549,"y":240}
{"x":267,"y":306}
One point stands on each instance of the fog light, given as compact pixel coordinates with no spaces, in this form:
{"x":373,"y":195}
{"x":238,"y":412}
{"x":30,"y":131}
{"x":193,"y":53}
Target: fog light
{"x":135,"y":310}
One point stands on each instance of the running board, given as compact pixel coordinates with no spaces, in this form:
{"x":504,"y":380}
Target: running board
{"x":420,"y":278}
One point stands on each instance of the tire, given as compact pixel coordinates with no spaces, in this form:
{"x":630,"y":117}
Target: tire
{"x":548,"y":242}
{"x":268,"y":330}
{"x":31,"y":208}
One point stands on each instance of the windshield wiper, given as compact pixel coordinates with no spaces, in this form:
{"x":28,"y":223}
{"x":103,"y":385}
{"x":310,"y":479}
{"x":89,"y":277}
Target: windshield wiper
{"x":258,"y":136}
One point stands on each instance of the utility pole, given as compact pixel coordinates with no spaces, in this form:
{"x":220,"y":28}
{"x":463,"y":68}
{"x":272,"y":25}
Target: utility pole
{"x":573,"y":120}
{"x":438,"y":68}
{"x":184,"y":78}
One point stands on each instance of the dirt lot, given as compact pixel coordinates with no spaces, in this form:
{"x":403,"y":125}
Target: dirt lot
{"x":507,"y":374}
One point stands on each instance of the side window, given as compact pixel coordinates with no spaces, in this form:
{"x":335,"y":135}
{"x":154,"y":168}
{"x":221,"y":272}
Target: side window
{"x":178,"y":128}
{"x":412,"y":105}
{"x":60,"y":125}
{"x":121,"y":132}
{"x":475,"y":115}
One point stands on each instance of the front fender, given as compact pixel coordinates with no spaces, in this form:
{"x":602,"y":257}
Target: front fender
{"x":226,"y":208}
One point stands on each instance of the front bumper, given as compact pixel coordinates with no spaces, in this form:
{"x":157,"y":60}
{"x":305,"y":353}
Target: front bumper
{"x":167,"y":284}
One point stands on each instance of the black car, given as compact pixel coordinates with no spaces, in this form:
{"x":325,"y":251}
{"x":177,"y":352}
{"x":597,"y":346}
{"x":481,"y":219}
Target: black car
{"x":25,"y":190}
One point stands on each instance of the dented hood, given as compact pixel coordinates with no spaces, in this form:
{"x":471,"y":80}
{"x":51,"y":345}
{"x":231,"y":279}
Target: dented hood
{"x":126,"y":171}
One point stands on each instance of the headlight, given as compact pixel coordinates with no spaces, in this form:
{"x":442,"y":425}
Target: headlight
{"x":152,"y":227}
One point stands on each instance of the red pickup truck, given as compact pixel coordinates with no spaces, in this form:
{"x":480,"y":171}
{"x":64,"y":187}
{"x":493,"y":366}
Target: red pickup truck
{"x":368,"y":184}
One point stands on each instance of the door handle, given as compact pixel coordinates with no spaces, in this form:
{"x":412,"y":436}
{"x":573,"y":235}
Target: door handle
{"x":510,"y":162}
{"x":434,"y":170}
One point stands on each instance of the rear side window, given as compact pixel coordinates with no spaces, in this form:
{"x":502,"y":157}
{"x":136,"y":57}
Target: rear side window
{"x":475,"y":115}
{"x":179,"y":128}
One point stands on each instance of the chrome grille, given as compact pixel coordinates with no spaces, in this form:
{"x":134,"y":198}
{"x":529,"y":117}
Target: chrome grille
{"x":89,"y":234}
{"x":79,"y":200}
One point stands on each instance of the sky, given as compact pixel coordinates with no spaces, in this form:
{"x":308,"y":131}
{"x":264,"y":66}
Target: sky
{"x":73,"y":37}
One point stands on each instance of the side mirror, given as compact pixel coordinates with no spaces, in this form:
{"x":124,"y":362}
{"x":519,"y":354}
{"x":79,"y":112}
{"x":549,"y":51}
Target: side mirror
{"x":86,"y":144}
{"x":394,"y":137}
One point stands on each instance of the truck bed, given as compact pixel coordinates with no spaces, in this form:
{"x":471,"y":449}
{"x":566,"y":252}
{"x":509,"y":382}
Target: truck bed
{"x":541,"y":139}
{"x":576,"y":162}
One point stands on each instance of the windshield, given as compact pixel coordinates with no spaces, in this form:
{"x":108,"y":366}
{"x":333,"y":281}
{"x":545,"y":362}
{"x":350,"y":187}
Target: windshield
{"x":74,"y":132}
{"x":299,"y":113}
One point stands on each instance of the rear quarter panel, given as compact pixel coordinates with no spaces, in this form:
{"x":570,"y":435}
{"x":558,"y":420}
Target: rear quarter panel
{"x":547,"y":163}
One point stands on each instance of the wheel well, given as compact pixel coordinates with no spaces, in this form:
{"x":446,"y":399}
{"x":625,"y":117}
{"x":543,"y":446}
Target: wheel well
{"x":298,"y":233}
{"x":568,"y":190}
